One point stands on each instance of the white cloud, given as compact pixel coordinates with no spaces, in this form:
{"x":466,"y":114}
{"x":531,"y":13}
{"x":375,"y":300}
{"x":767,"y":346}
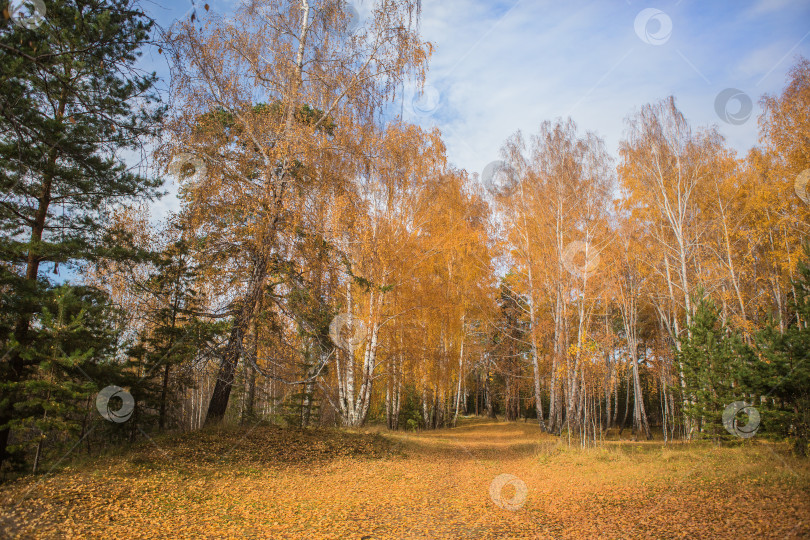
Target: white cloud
{"x":770,"y":6}
{"x":543,"y":60}
{"x":504,"y":65}
{"x":759,"y":62}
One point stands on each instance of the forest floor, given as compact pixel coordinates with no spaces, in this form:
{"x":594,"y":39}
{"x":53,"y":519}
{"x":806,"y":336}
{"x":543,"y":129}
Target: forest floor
{"x":268,"y":482}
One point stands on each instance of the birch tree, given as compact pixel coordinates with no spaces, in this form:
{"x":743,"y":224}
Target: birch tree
{"x":259,"y":98}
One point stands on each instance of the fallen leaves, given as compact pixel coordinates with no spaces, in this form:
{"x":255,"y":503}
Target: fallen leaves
{"x":267,"y":482}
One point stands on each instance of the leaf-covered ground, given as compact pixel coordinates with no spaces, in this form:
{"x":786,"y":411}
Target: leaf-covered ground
{"x":272,"y":483}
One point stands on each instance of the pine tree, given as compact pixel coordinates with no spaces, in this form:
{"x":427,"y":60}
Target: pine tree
{"x":711,"y":356}
{"x":781,"y":376}
{"x":71,"y":101}
{"x":76,"y":333}
{"x":175,"y":332}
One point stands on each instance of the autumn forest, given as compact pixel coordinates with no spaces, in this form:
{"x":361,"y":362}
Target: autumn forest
{"x":334,"y":291}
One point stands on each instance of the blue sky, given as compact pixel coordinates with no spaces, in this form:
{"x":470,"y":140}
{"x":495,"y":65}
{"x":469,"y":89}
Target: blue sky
{"x":500,"y":66}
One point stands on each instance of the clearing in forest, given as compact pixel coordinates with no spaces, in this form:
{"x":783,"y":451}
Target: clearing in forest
{"x":268,"y":482}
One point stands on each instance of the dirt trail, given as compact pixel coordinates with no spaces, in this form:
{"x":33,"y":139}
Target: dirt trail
{"x":433,"y":485}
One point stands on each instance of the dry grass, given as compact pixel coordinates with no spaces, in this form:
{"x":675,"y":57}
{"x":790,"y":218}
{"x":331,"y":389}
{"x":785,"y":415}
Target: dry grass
{"x":272,"y":483}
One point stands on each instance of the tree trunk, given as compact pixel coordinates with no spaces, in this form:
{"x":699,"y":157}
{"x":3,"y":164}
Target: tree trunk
{"x":164,"y":397}
{"x":250,"y":405}
{"x":639,"y":399}
{"x":13,"y":373}
{"x":626,"y":403}
{"x":460,"y":376}
{"x":425,"y":410}
{"x":397,"y":393}
{"x":233,"y":350}
{"x":488,"y":397}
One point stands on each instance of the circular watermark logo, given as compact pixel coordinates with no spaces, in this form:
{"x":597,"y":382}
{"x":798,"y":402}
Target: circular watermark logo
{"x":731,"y":417}
{"x":513,"y":503}
{"x":498,"y":176}
{"x":800,"y":186}
{"x":28,"y":14}
{"x":421,"y":102}
{"x":103,"y":404}
{"x":589,"y":262}
{"x":186,"y":166}
{"x":653,"y":26}
{"x":345,"y":335}
{"x":729,"y":113}
{"x":353,"y":20}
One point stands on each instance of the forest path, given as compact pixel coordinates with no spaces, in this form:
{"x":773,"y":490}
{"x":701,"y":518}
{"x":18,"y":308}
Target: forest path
{"x":273,"y":483}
